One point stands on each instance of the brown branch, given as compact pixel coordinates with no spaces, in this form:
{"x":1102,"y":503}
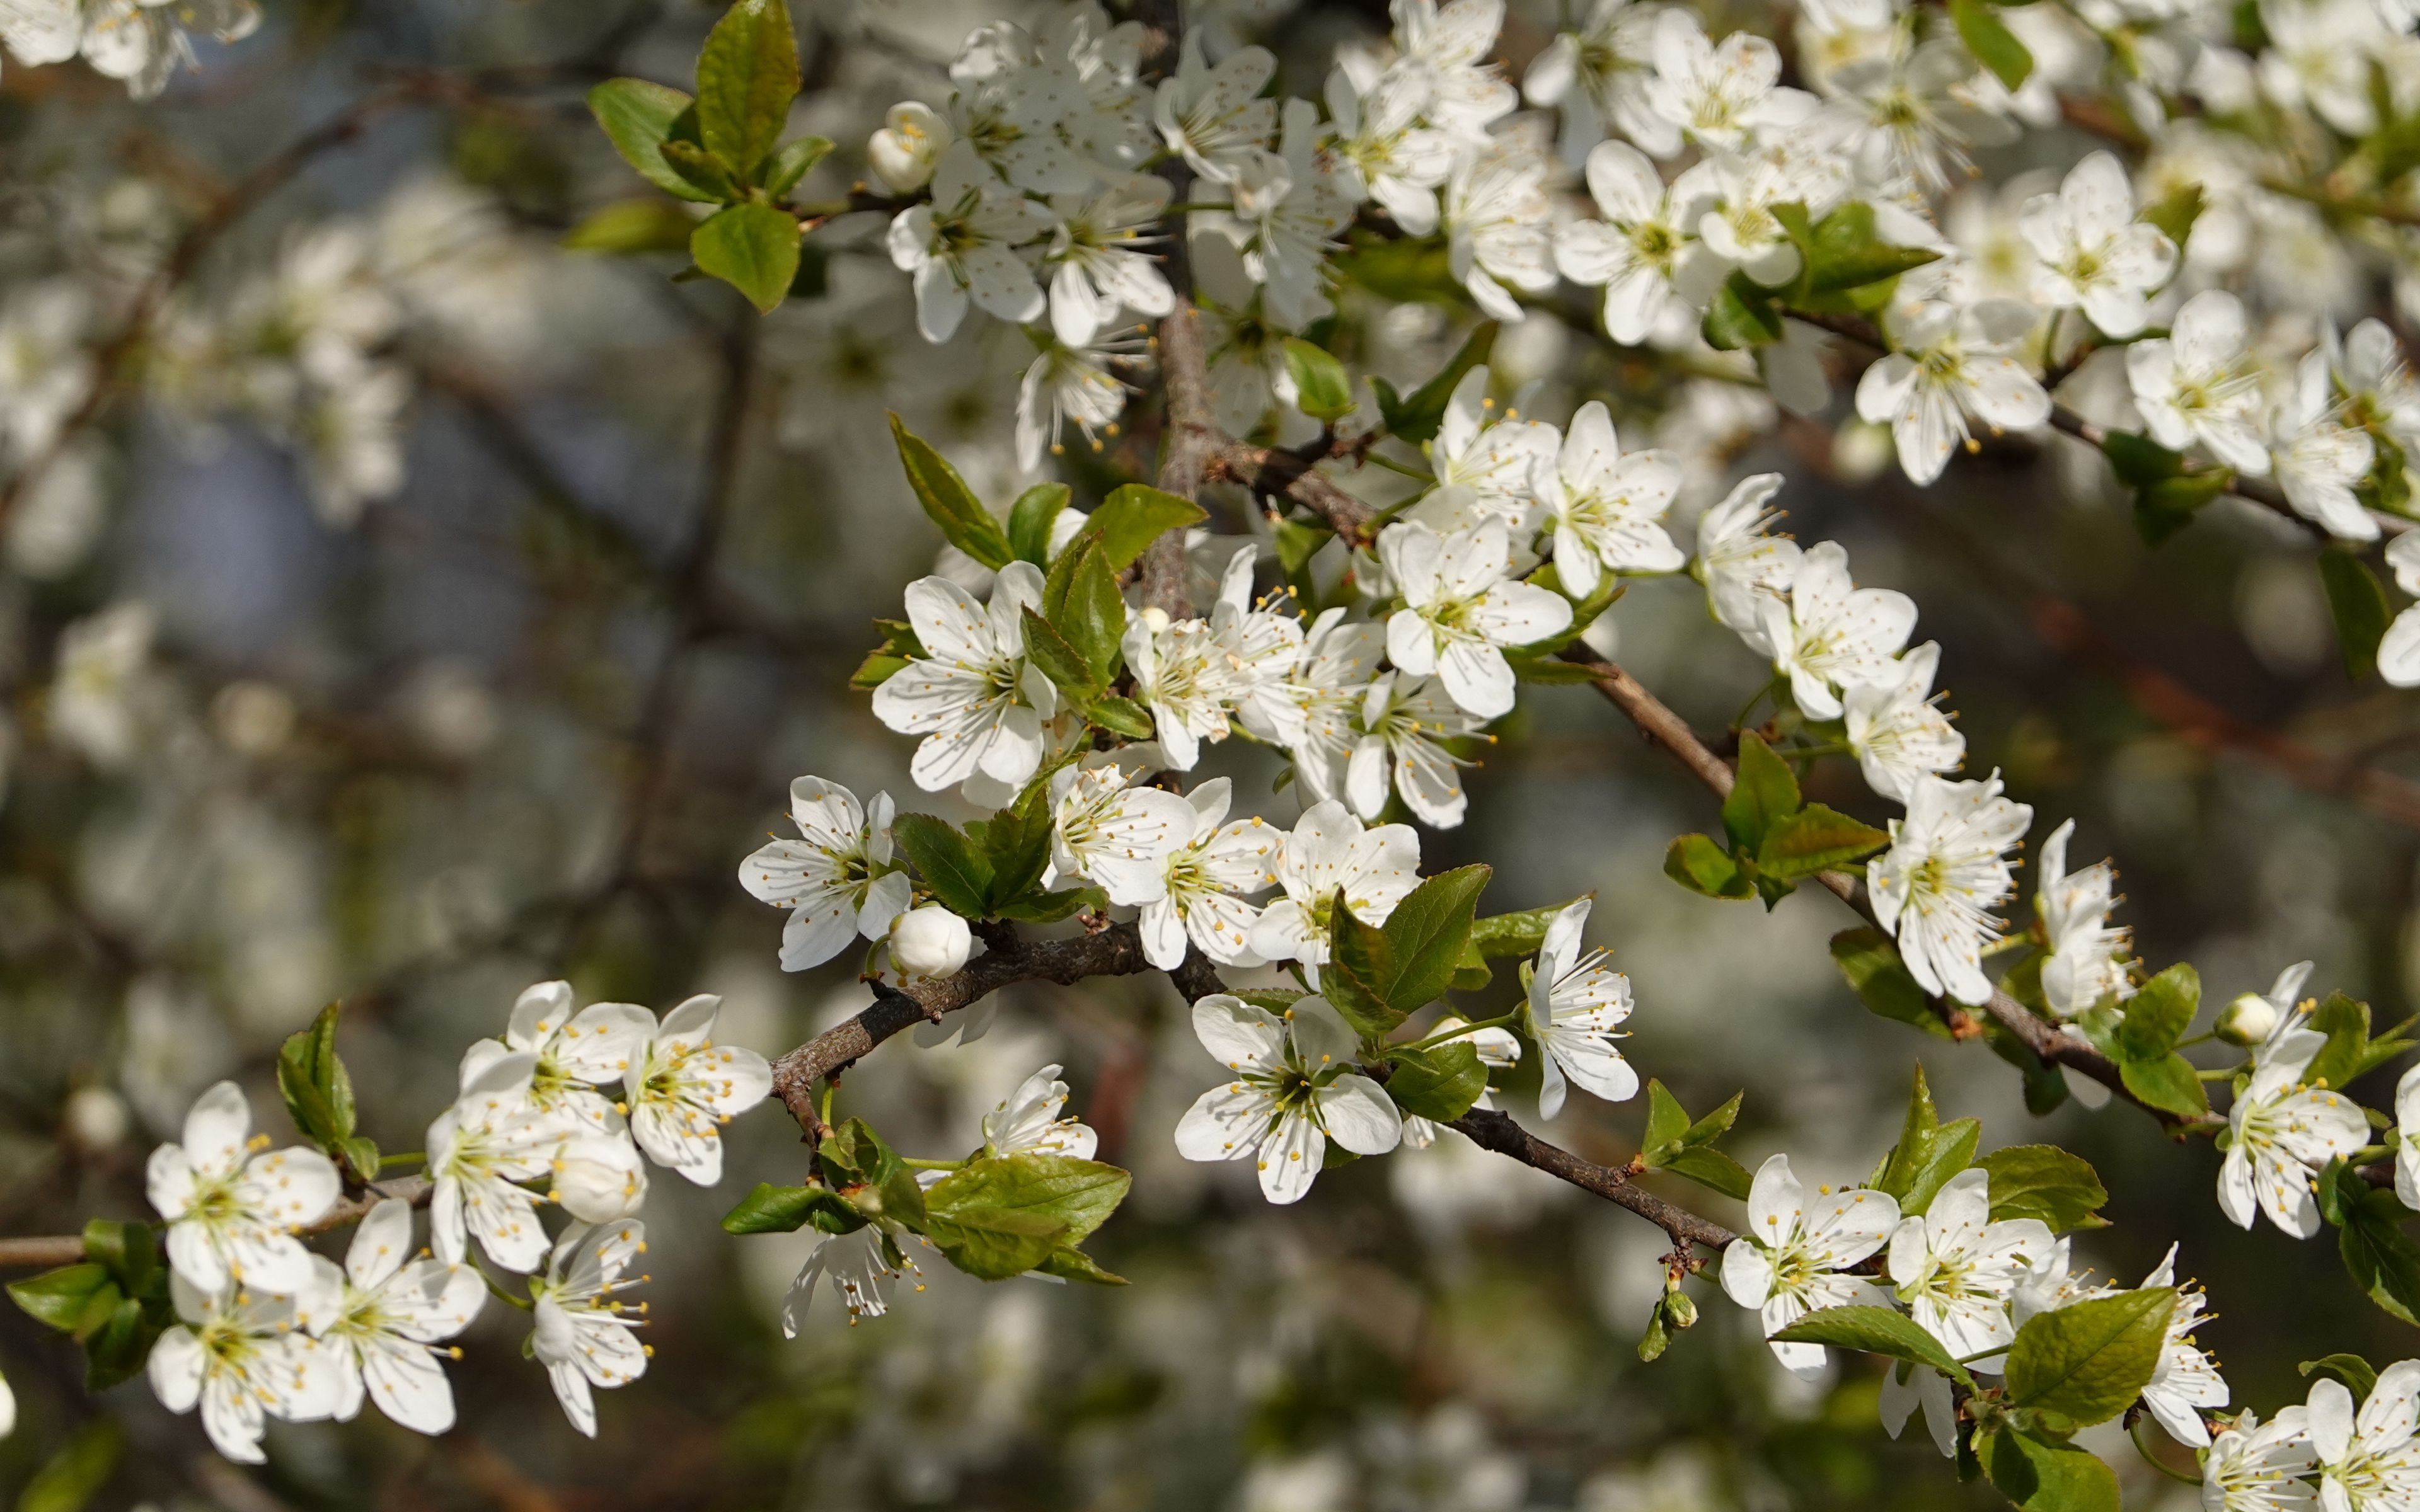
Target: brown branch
{"x":1272,"y":474}
{"x":1497,"y":1132}
{"x":1188,"y":447}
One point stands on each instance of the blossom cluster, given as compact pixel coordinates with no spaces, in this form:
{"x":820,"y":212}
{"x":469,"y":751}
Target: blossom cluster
{"x":269,"y":1329}
{"x":141,"y":42}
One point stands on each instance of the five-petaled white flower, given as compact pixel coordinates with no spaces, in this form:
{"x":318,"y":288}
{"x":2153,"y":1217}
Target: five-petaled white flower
{"x":973,"y":696}
{"x":1832,"y":635}
{"x":1575,"y":1007}
{"x":2195,"y":385}
{"x":1955,"y":1268}
{"x":584,"y":1331}
{"x":958,"y":248}
{"x":1404,"y":724}
{"x":1719,"y":96}
{"x":2281,"y":1132}
{"x":493,"y":1138}
{"x":1896,"y":727}
{"x":1116,"y":836}
{"x":1788,"y":1263}
{"x":2318,"y":458}
{"x":1382,"y":151}
{"x":2085,"y":956}
{"x":576,"y":1052}
{"x":1181,"y":674}
{"x":232,"y":1212}
{"x":1607,"y":507}
{"x":2186,"y":1380}
{"x":1483,"y":466}
{"x":1946,"y":870}
{"x":682,"y":1087}
{"x":1645,"y":252}
{"x":1098,"y":268}
{"x":1216,"y":115}
{"x":1330,"y":685}
{"x":379,"y":1317}
{"x":1951,"y":363}
{"x":1461,"y":608}
{"x":1331,"y":851}
{"x":1498,"y":222}
{"x":1740,"y":564}
{"x":2259,"y":1467}
{"x":1207,"y":879}
{"x":1444,"y":49}
{"x":2366,"y":1459}
{"x":1297,"y":1087}
{"x":836,"y":879}
{"x":241,"y":1354}
{"x":1598,"y":77}
{"x":2095,"y":255}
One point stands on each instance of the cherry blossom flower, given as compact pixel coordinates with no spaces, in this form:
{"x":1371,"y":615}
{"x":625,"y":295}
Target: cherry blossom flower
{"x":1645,"y":252}
{"x":1954,"y":1268}
{"x":1297,"y":1087}
{"x":2317,"y":460}
{"x":1832,"y":635}
{"x":2319,"y":58}
{"x":584,"y":1333}
{"x":237,"y":1353}
{"x":1485,"y":466}
{"x":1404,"y":724}
{"x":1951,"y":363}
{"x":682,"y":1087}
{"x":1738,"y":225}
{"x":1741,"y":565}
{"x":1205,"y":880}
{"x":1787,"y":1264}
{"x":1097,"y":270}
{"x":1330,"y":683}
{"x":1606,"y":506}
{"x":1382,"y":151}
{"x":1498,"y":225}
{"x":492,"y":1139}
{"x":1262,"y":649}
{"x":1442,"y":49}
{"x":2083,"y":961}
{"x":973,"y":696}
{"x":1907,"y":1386}
{"x":231,"y":1212}
{"x":1116,"y":836}
{"x":1945,"y":870}
{"x":2407,"y":1131}
{"x":1081,"y":384}
{"x":931,"y":942}
{"x":1215,"y":115}
{"x":1903,"y":120}
{"x":2195,"y":386}
{"x":837,"y":878}
{"x":860,"y":1265}
{"x":1719,"y":97}
{"x":1028,"y":1120}
{"x":1598,"y":76}
{"x":1331,"y":851}
{"x":1010,"y":104}
{"x":576,"y":1051}
{"x":1576,"y":1006}
{"x":380,"y":1316}
{"x":2186,"y":1378}
{"x":2259,"y":1467}
{"x":908,"y":148}
{"x":1896,"y":727}
{"x":2366,"y":1459}
{"x":2094,"y":255}
{"x":957,"y":248}
{"x":1292,"y":207}
{"x":1181,"y":675}
{"x":1461,"y":610}
{"x":2281,"y":1133}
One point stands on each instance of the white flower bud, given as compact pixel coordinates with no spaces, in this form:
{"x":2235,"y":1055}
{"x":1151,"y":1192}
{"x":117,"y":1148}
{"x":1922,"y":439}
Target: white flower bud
{"x":929,"y":942}
{"x":1155,"y":617}
{"x":97,"y":1118}
{"x":903,"y":152}
{"x":2248,"y":1020}
{"x":598,"y":1179}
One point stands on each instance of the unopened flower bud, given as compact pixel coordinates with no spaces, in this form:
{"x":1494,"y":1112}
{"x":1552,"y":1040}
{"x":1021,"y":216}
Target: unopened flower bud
{"x":929,"y":942}
{"x":1156,"y":618}
{"x":598,"y":1179}
{"x":1681,"y":1309}
{"x":2248,"y":1020}
{"x":903,"y":152}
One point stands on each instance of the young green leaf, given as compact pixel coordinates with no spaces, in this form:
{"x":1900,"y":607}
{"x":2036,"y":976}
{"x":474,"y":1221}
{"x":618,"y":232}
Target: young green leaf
{"x":1425,"y":937}
{"x":630,"y":227}
{"x":1133,"y":516}
{"x":2040,"y":1473}
{"x":1120,"y":717}
{"x":1416,"y":415}
{"x":952,"y":506}
{"x":704,"y":171}
{"x":1439,"y":1082}
{"x":2357,"y":602}
{"x":2169,"y":1084}
{"x":958,"y":874}
{"x":2358,"y":1375}
{"x":781,"y":1210}
{"x":1870,"y":964}
{"x":1993,"y":45}
{"x":1060,"y":662}
{"x":1883,"y":1331}
{"x":1007,"y":1214}
{"x":1325,"y":392}
{"x":2046,"y":1182}
{"x":793,"y":160}
{"x":2088,"y":1361}
{"x":1081,"y":599}
{"x":1766,"y":792}
{"x":2159,"y":1015}
{"x":1030,"y":520}
{"x":2345,"y":1021}
{"x":1701,"y":866}
{"x":746,"y":78}
{"x":1518,"y":933}
{"x":1815,"y":838}
{"x":639,"y":118}
{"x":1740,"y":317}
{"x":753,"y":248}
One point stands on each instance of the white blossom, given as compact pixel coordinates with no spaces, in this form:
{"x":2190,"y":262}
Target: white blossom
{"x":232,"y":1209}
{"x":1946,"y":870}
{"x":1443,"y":47}
{"x":1097,"y":268}
{"x":1117,"y":837}
{"x":1330,"y":683}
{"x":1206,"y":881}
{"x":2084,"y":956}
{"x":2186,"y":1378}
{"x":1216,"y":115}
{"x":1644,"y":252}
{"x":1331,"y":851}
{"x":2281,"y":1132}
{"x":1788,"y":1263}
{"x":1904,"y":120}
{"x":380,"y":1316}
{"x":973,"y":696}
{"x":1485,"y":464}
{"x":2259,"y":1467}
{"x":575,"y":1052}
{"x":1606,"y":506}
{"x":1576,"y":1006}
{"x":2366,"y":1459}
{"x":1296,"y":1087}
{"x":682,"y":1087}
{"x":1405,"y":722}
{"x":1382,"y":151}
{"x":1719,"y":97}
{"x":1896,"y":727}
{"x":2317,"y":459}
{"x":238,"y":1352}
{"x":584,"y":1333}
{"x":929,"y":942}
{"x":1741,"y":565}
{"x":1951,"y":363}
{"x":1954,"y":1268}
{"x":2094,"y":255}
{"x":1077,"y":383}
{"x":1497,"y":225}
{"x":837,"y":878}
{"x":908,"y":148}
{"x":957,"y":247}
{"x":1832,"y":635}
{"x":2194,"y":385}
{"x":1597,"y":75}
{"x":860,"y":1264}
{"x":480,"y":1150}
{"x":2398,"y":650}
{"x":1461,"y":610}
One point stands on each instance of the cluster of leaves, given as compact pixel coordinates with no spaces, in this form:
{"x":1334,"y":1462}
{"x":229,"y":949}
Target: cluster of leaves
{"x":319,"y":1093}
{"x":992,"y":869}
{"x":994,"y":1216}
{"x":1844,"y":268}
{"x":723,"y":147}
{"x":2027,"y":1180}
{"x":114,"y":1301}
{"x":2168,"y":490}
{"x":1778,"y":838}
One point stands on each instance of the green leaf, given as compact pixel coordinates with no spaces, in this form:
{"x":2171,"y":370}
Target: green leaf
{"x":63,"y":1297}
{"x":1871,"y":965}
{"x":1519,"y":933}
{"x":2175,"y":212}
{"x":753,"y":248}
{"x":1277,"y":1000}
{"x":318,"y":1091}
{"x":1673,"y":1143}
{"x":781,"y":1210}
{"x":631,"y":226}
{"x":1711,"y":1169}
{"x":639,"y":118}
{"x":130,"y":1251}
{"x":1362,"y":959}
{"x":2042,"y":1475}
{"x":1993,"y":45}
{"x":1844,"y":252}
{"x":73,"y":1476}
{"x":958,"y":874}
{"x":1017,"y":844}
{"x":1060,"y":662}
{"x":1297,"y":543}
{"x":1031,"y":519}
{"x":1051,"y":907}
{"x":2169,"y":491}
{"x":2380,"y":1259}
{"x":746,"y":78}
{"x":1081,"y":599}
{"x":1883,"y":1331}
{"x":1133,"y":516}
{"x":117,"y":1349}
{"x":701,"y":170}
{"x":1815,"y":838}
{"x":2358,"y":1375}
{"x":952,"y":506}
{"x":1425,"y":937}
{"x":2169,"y":1084}
{"x":869,"y":1177}
{"x":1701,"y":866}
{"x":2346,"y":1023}
{"x":793,"y":161}
{"x":1120,"y":717}
{"x":2357,"y":601}
{"x":1075,"y":1265}
{"x":1004,"y":1215}
{"x":1439,"y":1082}
{"x":2158,"y":1016}
{"x":1417,"y":416}
{"x":1326,"y":393}
{"x":1927,"y":1154}
{"x":1765,"y":793}
{"x":2046,"y":1182}
{"x":1741,"y":316}
{"x":1668,"y":1122}
{"x":2088,"y":1361}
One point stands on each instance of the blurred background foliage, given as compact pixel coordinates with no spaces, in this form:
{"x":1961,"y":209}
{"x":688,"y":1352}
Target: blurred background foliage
{"x":521,"y":717}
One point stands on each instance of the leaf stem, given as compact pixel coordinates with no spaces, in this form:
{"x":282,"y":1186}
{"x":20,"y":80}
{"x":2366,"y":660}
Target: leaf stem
{"x":2135,"y":1433}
